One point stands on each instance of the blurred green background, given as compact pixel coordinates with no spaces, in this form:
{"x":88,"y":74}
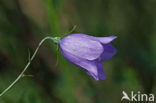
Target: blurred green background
{"x":23,"y":23}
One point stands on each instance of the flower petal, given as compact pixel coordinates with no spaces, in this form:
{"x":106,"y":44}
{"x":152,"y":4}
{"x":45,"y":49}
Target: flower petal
{"x":106,"y":40}
{"x":100,"y":75}
{"x":109,"y":51}
{"x":93,"y":68}
{"x":82,"y":47}
{"x":103,"y":40}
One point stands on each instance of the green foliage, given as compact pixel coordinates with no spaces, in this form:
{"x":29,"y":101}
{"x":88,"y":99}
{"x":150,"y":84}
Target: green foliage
{"x":24,"y":23}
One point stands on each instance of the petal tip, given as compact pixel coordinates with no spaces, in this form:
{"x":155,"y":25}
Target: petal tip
{"x":106,"y":40}
{"x":98,"y":79}
{"x":113,"y":37}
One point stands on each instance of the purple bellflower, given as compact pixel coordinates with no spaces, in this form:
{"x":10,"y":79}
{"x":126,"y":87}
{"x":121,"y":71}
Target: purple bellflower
{"x":85,"y":51}
{"x":88,"y":52}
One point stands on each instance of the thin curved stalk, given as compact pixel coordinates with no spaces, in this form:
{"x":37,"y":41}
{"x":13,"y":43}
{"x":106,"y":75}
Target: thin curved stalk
{"x":54,"y":39}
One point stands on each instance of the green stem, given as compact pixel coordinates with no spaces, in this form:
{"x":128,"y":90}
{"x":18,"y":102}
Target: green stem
{"x":54,"y":39}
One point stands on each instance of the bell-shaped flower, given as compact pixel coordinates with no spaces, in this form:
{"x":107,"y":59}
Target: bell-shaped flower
{"x":88,"y":52}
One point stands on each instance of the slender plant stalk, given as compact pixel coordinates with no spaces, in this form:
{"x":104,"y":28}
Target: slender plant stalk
{"x":54,"y":39}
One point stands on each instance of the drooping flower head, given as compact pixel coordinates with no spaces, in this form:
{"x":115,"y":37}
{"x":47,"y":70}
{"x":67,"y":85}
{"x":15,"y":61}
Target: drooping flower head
{"x":88,"y":52}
